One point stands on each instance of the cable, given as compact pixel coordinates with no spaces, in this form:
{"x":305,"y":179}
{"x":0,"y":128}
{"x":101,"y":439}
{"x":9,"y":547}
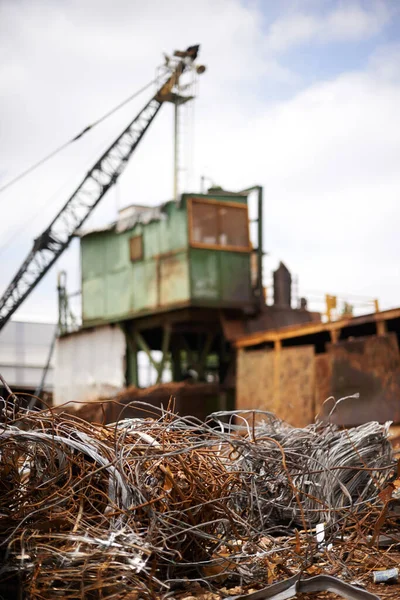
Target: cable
{"x":99,"y":148}
{"x":75,"y":138}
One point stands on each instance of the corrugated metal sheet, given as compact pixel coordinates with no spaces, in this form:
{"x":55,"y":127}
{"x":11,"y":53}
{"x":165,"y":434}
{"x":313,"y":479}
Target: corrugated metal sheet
{"x":114,"y":287}
{"x":24,"y":349}
{"x":89,"y":365}
{"x":281,"y":381}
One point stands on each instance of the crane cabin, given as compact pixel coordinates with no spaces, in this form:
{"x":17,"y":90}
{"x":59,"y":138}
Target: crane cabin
{"x":195,"y":253}
{"x":168,"y":275}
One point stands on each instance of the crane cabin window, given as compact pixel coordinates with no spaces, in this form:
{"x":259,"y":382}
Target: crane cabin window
{"x":219,"y":225}
{"x":136,"y":248}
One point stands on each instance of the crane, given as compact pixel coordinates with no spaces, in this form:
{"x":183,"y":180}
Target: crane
{"x":52,"y":242}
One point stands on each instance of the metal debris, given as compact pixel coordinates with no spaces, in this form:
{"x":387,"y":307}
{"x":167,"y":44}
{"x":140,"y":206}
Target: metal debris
{"x":290,"y":588}
{"x":146,"y":506}
{"x":388,"y":576}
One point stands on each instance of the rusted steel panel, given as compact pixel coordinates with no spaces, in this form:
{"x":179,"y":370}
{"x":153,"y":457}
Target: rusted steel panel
{"x":280,"y":381}
{"x":232,"y":328}
{"x":295,"y":403}
{"x":371,"y":367}
{"x":255,"y":379}
{"x":323,"y":384}
{"x":174,"y":278}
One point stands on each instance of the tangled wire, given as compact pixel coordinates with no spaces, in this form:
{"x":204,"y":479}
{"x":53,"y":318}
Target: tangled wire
{"x":141,"y":506}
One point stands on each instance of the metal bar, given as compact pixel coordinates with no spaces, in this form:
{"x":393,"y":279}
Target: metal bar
{"x":57,"y":237}
{"x":260,"y":245}
{"x":176,"y":150}
{"x":189,"y":352}
{"x":259,"y":220}
{"x":134,"y":363}
{"x":40,"y":387}
{"x":290,"y":588}
{"x":164,"y":350}
{"x":176,"y":359}
{"x":144,"y":347}
{"x":204,"y":353}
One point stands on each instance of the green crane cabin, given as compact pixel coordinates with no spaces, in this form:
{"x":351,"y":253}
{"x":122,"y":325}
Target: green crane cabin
{"x":183,"y":279}
{"x":192,"y":254}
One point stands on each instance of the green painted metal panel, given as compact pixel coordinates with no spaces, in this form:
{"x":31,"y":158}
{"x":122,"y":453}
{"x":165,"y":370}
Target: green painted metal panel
{"x":204,"y":274}
{"x":93,"y":256}
{"x":144,"y":286}
{"x":166,"y":235}
{"x":220,"y":276}
{"x":174,"y":278}
{"x":152,"y":242}
{"x":178,"y":230}
{"x":117,"y":252}
{"x":170,"y":272}
{"x":93,"y":305}
{"x":118,"y":290}
{"x":235,"y":277}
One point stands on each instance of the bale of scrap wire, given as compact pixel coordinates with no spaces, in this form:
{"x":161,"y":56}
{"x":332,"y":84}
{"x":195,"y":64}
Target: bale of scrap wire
{"x":87,"y":509}
{"x":299,"y":477}
{"x":143,"y":504}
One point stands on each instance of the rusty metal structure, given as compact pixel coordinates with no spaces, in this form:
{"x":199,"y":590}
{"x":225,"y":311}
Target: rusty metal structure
{"x":300,"y":371}
{"x":102,"y":176}
{"x":183,"y":279}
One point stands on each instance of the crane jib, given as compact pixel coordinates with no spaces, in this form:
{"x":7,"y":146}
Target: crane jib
{"x":48,"y":246}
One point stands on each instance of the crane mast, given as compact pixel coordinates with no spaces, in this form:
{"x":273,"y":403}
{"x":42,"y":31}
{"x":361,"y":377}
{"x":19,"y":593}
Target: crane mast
{"x":52,"y":242}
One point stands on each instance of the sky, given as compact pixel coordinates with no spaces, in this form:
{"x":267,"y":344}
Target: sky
{"x":299,"y":96}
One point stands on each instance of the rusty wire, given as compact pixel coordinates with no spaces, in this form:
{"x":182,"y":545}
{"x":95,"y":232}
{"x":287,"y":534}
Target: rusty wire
{"x":142,"y":506}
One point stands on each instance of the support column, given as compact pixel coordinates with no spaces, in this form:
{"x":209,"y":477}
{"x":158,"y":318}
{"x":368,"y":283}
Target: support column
{"x":277,"y":374}
{"x":134,"y":364}
{"x":381,"y":328}
{"x":164,"y":349}
{"x":176,"y":359}
{"x":204,"y":353}
{"x":132,"y":371}
{"x":176,"y":150}
{"x":141,"y":343}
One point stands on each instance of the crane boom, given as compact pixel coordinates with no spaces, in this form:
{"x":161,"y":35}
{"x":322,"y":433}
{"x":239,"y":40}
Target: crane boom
{"x":103,"y":175}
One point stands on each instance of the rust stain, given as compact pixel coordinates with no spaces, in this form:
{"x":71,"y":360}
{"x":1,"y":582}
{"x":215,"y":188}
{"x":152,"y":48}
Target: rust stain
{"x":281,"y":381}
{"x":323,"y":376}
{"x":369,"y":366}
{"x":171,"y":275}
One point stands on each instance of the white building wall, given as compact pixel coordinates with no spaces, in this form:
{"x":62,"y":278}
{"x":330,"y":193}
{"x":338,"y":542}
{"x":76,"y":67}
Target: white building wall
{"x":89,"y":364}
{"x":24,"y":350}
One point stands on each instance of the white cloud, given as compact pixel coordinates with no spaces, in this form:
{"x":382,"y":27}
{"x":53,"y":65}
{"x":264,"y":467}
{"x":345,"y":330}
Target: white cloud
{"x":328,"y":160}
{"x":348,"y":21}
{"x":327,"y":156}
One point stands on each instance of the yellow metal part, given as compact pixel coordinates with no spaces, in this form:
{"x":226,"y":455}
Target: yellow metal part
{"x":331,"y":304}
{"x":165,"y":94}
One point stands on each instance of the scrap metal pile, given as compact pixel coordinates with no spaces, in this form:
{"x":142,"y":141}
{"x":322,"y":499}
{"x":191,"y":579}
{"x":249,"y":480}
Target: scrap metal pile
{"x":147,"y":507}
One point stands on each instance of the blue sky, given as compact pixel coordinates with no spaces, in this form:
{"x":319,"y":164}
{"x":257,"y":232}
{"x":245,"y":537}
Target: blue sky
{"x":299,"y":96}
